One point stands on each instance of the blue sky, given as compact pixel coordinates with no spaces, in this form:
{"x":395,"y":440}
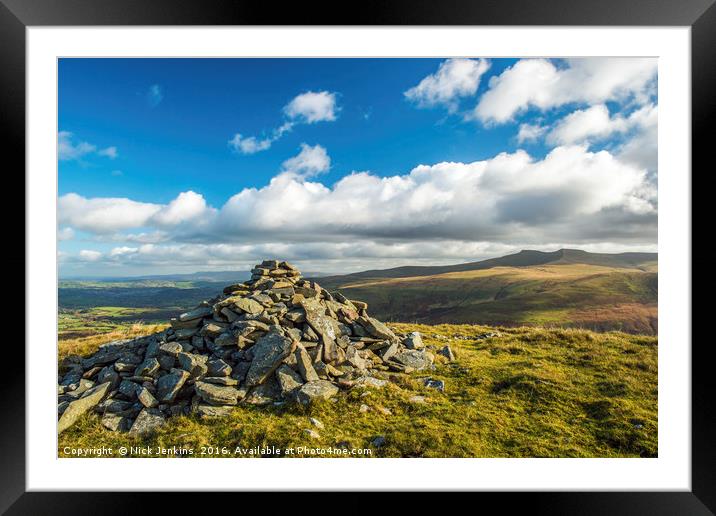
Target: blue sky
{"x":175,"y":165}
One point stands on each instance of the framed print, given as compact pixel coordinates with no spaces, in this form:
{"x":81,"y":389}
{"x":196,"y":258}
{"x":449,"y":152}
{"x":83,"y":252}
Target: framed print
{"x":415,"y":249}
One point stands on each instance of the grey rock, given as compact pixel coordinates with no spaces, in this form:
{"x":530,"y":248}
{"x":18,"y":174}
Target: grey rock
{"x":414,"y":341}
{"x":193,"y":364}
{"x":434,"y":384}
{"x":197,"y":313}
{"x":166,"y":362}
{"x":378,"y":442}
{"x":239,"y":372}
{"x":217,"y":394}
{"x":116,"y":423}
{"x":178,"y":324}
{"x":171,"y":348}
{"x":315,"y":422}
{"x":129,"y":389}
{"x":323,"y":325}
{"x":370,"y":381}
{"x":204,"y":410}
{"x":220,"y":380}
{"x":412,"y":358}
{"x":82,"y":405}
{"x":304,"y":364}
{"x":318,"y":389}
{"x":263,"y":394}
{"x":288,"y":379}
{"x":446,"y":351}
{"x":168,"y":385}
{"x":146,"y":398}
{"x":377,"y":328}
{"x":248,"y":305}
{"x":226,"y":339}
{"x":148,"y":420}
{"x":147,"y":368}
{"x":269,"y":351}
{"x":311,"y":433}
{"x":82,"y":387}
{"x":218,"y":368}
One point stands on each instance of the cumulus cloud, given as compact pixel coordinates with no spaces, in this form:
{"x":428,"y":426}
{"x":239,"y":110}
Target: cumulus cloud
{"x":187,"y":206}
{"x":455,"y":78}
{"x":311,"y":161}
{"x":106,"y":215}
{"x":541,"y":84}
{"x":69,"y":148}
{"x":510,"y":196}
{"x":637,"y":131}
{"x":89,"y":255}
{"x":530,"y":132}
{"x":306,"y":108}
{"x":103,"y":214}
{"x":448,"y":210}
{"x":311,"y":107}
{"x":496,"y":199}
{"x":249,"y":144}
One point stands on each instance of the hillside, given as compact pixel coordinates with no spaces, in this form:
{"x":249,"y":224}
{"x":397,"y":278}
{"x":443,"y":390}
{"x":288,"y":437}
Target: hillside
{"x":522,"y":392}
{"x":567,"y":288}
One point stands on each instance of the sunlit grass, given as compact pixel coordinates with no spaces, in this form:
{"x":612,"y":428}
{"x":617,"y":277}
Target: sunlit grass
{"x":531,"y":392}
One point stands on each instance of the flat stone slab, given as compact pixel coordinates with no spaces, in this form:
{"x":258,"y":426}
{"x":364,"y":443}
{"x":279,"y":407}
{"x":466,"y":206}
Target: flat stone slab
{"x":217,"y":394}
{"x":269,"y":351}
{"x":148,"y":420}
{"x":82,"y":405}
{"x":319,"y":389}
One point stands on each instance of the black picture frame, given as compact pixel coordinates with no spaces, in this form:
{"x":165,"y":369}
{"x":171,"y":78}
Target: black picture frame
{"x":700,"y":15}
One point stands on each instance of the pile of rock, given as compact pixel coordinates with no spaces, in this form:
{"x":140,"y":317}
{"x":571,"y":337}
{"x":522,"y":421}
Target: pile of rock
{"x":273,"y":339}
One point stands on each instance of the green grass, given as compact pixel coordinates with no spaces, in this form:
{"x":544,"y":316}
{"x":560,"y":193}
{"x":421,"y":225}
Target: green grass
{"x":532,"y":392}
{"x":105,"y":319}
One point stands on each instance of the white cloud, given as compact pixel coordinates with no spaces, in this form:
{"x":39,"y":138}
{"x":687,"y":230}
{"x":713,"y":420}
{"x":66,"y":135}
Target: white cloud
{"x":311,"y":107}
{"x":530,"y":132}
{"x":110,"y":152}
{"x":449,"y":210}
{"x":306,"y":108}
{"x":121,"y":251}
{"x":642,"y":149}
{"x":105,"y":215}
{"x":66,"y":233}
{"x":595,"y":123}
{"x":509,"y":196}
{"x":89,"y":255}
{"x":539,"y":83}
{"x":455,"y":78}
{"x":249,"y":144}
{"x":311,"y":161}
{"x":70,"y":149}
{"x":187,"y":206}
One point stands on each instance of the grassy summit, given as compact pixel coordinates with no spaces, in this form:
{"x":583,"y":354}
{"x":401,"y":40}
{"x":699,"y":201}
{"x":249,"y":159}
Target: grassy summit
{"x":529,"y":392}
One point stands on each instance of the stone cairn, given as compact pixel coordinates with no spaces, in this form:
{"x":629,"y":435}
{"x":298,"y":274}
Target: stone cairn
{"x":276,"y":338}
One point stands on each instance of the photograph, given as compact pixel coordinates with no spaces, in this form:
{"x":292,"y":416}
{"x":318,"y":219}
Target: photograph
{"x":321,"y":257}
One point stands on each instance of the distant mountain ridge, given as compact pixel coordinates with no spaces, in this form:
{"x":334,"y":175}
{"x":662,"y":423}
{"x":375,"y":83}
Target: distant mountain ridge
{"x":565,"y":288}
{"x":524,"y":258}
